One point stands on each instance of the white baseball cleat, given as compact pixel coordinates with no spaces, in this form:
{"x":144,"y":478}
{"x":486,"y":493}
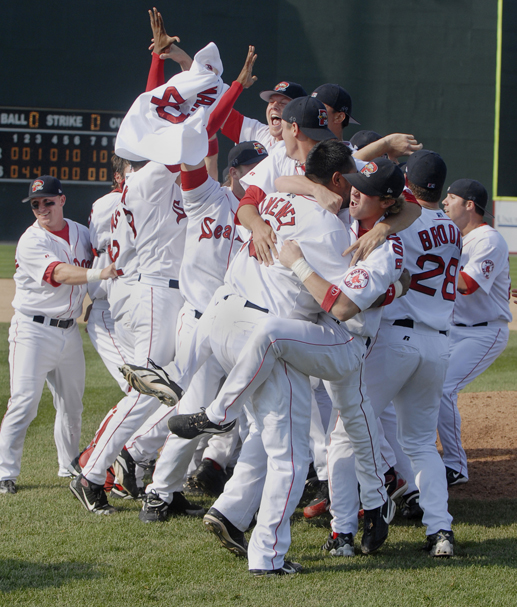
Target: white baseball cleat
{"x":152,"y":382}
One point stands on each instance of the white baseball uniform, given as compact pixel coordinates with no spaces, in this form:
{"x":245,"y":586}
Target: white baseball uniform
{"x":45,"y":344}
{"x":409,"y":359}
{"x":212,"y":239}
{"x":101,"y":326}
{"x":479,"y":331}
{"x":281,"y":405}
{"x":158,"y":220}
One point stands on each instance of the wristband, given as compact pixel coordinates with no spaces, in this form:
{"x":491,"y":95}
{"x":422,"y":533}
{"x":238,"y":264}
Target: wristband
{"x":389,"y":296}
{"x":302,"y":269}
{"x":213,"y":147}
{"x":93,"y":275}
{"x":398,"y":288}
{"x":330,"y":297}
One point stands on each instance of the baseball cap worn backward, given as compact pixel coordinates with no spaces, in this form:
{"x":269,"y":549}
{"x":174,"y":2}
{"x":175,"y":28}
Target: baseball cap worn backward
{"x":44,"y":186}
{"x":311,"y":116}
{"x":247,"y":152}
{"x":470,"y":189}
{"x":337,"y":98}
{"x":380,"y":177}
{"x":292,"y":90}
{"x":426,"y":169}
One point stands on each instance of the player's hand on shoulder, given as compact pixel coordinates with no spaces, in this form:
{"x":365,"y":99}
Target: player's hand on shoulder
{"x":405,"y":280}
{"x":109,"y":272}
{"x":246,"y":77}
{"x":367,"y":243}
{"x":289,"y":253}
{"x":330,"y":201}
{"x":264,"y":240}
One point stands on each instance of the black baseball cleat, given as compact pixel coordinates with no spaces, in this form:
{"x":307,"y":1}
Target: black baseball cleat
{"x":339,"y":544}
{"x":190,"y":426}
{"x":230,"y":537}
{"x":455,"y":478}
{"x":154,"y":509}
{"x":210,"y":477}
{"x":288,"y":568}
{"x":8,"y":487}
{"x":124,"y":468}
{"x":152,"y":382}
{"x":440,"y":544}
{"x":91,"y":496}
{"x":409,"y":505}
{"x":376,"y":526}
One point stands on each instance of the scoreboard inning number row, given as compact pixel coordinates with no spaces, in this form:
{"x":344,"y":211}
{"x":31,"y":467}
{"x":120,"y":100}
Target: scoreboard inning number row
{"x":74,"y":146}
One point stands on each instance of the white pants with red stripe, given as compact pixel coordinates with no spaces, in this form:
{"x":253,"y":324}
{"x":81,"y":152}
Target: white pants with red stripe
{"x":37,"y":353}
{"x":101,"y":331}
{"x":152,"y":326}
{"x":408,"y":366}
{"x":472,"y":350}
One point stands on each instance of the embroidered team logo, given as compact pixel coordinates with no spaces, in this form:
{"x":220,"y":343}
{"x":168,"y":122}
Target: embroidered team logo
{"x":357,"y":279}
{"x":259,"y":148}
{"x":369,"y":169}
{"x":323,"y":117}
{"x":487,"y":267}
{"x":281,"y":86}
{"x":37,"y":185}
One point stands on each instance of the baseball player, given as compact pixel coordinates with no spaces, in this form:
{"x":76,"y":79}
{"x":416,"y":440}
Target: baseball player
{"x":53,"y":260}
{"x":212,"y":240}
{"x":479,"y":331}
{"x":101,"y":326}
{"x":408,"y":362}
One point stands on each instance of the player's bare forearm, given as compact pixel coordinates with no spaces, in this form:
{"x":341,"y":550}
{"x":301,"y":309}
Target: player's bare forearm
{"x":395,"y":145}
{"x":67,"y":274}
{"x":343,"y":308}
{"x":299,"y":184}
{"x":462,"y":285}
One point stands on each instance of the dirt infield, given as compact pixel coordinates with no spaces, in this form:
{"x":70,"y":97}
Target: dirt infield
{"x":489,"y":430}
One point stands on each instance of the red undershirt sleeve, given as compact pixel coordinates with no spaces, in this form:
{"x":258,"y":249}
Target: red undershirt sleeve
{"x":254,"y":196}
{"x":156,"y":73}
{"x":47,"y":277}
{"x":472,"y":285}
{"x":225,"y":112}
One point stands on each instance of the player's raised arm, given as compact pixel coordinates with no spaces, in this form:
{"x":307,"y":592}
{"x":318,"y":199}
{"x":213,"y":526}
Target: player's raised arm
{"x":163,"y":44}
{"x":301,"y":185}
{"x":394,"y":145}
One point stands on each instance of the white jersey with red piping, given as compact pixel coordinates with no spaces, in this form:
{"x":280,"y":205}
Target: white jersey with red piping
{"x":485,"y":259}
{"x":36,"y":250}
{"x":432,"y":250}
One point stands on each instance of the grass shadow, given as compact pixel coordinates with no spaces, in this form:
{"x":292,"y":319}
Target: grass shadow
{"x":19,"y":575}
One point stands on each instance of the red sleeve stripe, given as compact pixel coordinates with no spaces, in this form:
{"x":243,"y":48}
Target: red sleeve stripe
{"x":472,"y":285}
{"x":47,"y":277}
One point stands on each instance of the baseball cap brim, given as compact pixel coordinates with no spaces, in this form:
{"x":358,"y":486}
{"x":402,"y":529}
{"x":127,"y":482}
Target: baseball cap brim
{"x":352,"y":120}
{"x":362,"y":183}
{"x":266,"y":95}
{"x":318,"y":134}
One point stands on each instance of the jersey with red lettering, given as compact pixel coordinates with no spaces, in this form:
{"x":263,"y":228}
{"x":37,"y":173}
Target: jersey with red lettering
{"x":276,"y":288}
{"x":99,"y":226}
{"x":36,"y":250}
{"x":485,"y":259}
{"x":122,"y":251}
{"x":155,"y":201}
{"x":212,"y":240}
{"x":370,"y":277}
{"x":432,"y":247}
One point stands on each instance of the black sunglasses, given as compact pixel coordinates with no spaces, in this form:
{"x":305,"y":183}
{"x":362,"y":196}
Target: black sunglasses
{"x":49,"y":203}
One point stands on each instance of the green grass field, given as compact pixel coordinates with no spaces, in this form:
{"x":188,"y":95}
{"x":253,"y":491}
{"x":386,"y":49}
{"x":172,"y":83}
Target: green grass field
{"x":54,"y":553}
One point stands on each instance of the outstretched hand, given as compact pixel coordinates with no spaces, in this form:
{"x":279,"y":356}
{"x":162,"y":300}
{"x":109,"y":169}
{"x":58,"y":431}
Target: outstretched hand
{"x":246,"y":78}
{"x":161,"y":40}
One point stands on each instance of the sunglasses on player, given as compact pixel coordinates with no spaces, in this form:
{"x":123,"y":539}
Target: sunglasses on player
{"x":48,"y":203}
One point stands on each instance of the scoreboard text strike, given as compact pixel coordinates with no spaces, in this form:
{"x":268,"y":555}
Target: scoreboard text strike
{"x":74,"y":146}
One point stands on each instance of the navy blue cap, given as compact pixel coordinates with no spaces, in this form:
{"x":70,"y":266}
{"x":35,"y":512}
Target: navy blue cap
{"x":380,"y":177}
{"x":44,"y":186}
{"x":426,"y":169}
{"x":247,"y":152}
{"x":337,"y":98}
{"x":292,"y":90}
{"x":311,"y":116}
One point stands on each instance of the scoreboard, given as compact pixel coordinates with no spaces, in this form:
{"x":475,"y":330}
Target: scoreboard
{"x":74,"y":146}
